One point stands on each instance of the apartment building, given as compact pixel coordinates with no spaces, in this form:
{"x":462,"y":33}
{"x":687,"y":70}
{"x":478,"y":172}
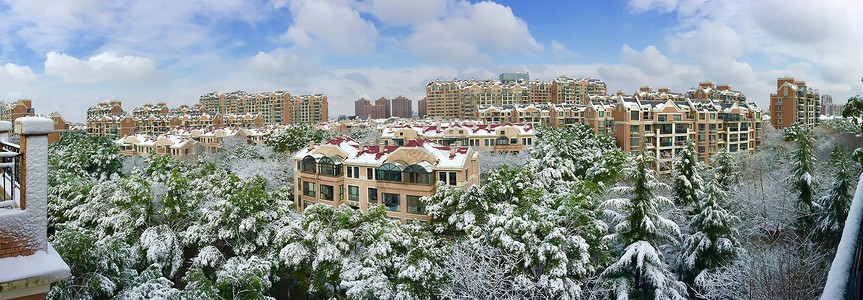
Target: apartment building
{"x":345,"y":172}
{"x":307,"y":109}
{"x":720,"y":93}
{"x":105,"y":108}
{"x":461,"y":98}
{"x":18,"y":109}
{"x":595,"y":114}
{"x":794,"y":102}
{"x":112,"y":126}
{"x":362,"y":107}
{"x":275,"y":107}
{"x":158,"y":145}
{"x":828,"y":108}
{"x":402,"y":107}
{"x":422,"y":110}
{"x":499,"y":138}
{"x":663,"y":127}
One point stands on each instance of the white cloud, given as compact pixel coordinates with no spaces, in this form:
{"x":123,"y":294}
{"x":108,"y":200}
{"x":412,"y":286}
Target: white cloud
{"x":407,"y":12}
{"x":13,"y":72}
{"x":649,"y":61}
{"x":106,"y":66}
{"x":334,"y":23}
{"x":280,"y":65}
{"x":461,"y":37}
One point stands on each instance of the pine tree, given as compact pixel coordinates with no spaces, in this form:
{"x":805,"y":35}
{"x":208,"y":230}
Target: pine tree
{"x":803,"y":159}
{"x":714,"y":240}
{"x":725,"y":169}
{"x":834,"y":206}
{"x":640,"y":272}
{"x":687,"y":179}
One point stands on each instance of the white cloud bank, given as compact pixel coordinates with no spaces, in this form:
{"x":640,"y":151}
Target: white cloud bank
{"x":104,"y":67}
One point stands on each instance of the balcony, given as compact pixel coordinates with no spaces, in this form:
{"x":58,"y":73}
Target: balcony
{"x":845,"y":279}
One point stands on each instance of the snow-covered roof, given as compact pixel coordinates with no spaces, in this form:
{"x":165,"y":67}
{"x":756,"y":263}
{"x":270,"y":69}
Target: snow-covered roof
{"x":376,"y":155}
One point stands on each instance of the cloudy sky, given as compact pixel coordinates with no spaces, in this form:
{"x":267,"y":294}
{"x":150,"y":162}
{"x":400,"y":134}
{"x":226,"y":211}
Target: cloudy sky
{"x":67,"y":55}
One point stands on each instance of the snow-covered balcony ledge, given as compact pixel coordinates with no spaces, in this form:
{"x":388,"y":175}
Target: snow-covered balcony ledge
{"x":845,"y":279}
{"x":28,"y":264}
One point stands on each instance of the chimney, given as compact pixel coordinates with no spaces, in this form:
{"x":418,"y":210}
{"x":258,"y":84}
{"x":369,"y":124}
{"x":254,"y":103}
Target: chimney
{"x":452,"y":151}
{"x":362,"y":148}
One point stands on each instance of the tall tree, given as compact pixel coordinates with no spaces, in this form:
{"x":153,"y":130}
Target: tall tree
{"x":725,"y":169}
{"x":640,"y":272}
{"x":713,"y":242}
{"x":687,"y":179}
{"x":803,"y":159}
{"x":834,"y":206}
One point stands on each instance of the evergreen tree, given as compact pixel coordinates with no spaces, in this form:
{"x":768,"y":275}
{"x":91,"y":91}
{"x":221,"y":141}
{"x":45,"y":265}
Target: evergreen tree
{"x":687,"y":179}
{"x":803,"y":159}
{"x":834,"y":206}
{"x":725,"y":169}
{"x":714,"y":240}
{"x":640,"y":272}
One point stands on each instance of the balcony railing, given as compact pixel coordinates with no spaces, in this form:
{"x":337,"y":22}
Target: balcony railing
{"x":10,"y":165}
{"x":845,"y":279}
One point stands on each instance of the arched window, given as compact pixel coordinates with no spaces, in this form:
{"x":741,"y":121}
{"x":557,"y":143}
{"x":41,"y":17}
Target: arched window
{"x":309,"y":164}
{"x":331,"y":166}
{"x":417,"y":174}
{"x":502,"y":141}
{"x":390,"y":172}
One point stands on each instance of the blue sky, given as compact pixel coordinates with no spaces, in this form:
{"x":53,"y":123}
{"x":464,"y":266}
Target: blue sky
{"x":67,"y":55}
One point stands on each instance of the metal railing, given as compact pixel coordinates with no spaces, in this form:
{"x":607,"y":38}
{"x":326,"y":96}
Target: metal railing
{"x":845,"y":279}
{"x":10,"y":162}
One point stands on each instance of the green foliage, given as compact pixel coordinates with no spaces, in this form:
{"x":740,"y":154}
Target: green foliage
{"x":853,"y":111}
{"x":295,"y":138}
{"x":802,"y":176}
{"x":725,"y":169}
{"x":574,"y":152}
{"x":99,"y":267}
{"x":687,"y":178}
{"x":81,"y":154}
{"x":833,"y":207}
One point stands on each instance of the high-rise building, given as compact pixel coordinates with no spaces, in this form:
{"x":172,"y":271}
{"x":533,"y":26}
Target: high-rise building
{"x":794,"y":102}
{"x":461,"y":98}
{"x":422,"y":111}
{"x":362,"y":107}
{"x":387,"y":103}
{"x":508,"y":78}
{"x":274,"y":106}
{"x":828,"y":108}
{"x":402,"y":107}
{"x":308,"y":109}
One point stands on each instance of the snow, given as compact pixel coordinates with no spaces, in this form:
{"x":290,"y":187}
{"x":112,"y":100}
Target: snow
{"x":46,"y":264}
{"x":36,"y":125}
{"x":837,"y":278}
{"x":5,"y":126}
{"x":29,"y":225}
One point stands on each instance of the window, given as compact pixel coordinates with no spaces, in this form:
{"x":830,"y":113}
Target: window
{"x":700,"y":127}
{"x":713,"y":116}
{"x":662,"y":118}
{"x":502,"y":140}
{"x":353,"y":193}
{"x":417,"y":174}
{"x":350,"y":172}
{"x":309,"y":164}
{"x":633,"y":128}
{"x":633,"y":115}
{"x":452,"y":178}
{"x":309,"y":189}
{"x":331,"y":166}
{"x":373,"y":196}
{"x":677,"y":117}
{"x":415,"y":206}
{"x":390,"y":172}
{"x":391,"y":201}
{"x":327,"y":192}
{"x":486,"y":142}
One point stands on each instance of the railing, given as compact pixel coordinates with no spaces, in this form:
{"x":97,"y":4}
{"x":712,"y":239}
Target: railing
{"x":10,"y":165}
{"x":845,"y":279}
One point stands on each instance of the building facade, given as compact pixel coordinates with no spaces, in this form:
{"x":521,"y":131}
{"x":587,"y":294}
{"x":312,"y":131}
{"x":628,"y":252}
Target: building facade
{"x":18,"y":109}
{"x":362,"y":107}
{"x":402,"y":107}
{"x":794,"y":102}
{"x":828,"y":108}
{"x":499,"y":138}
{"x":345,"y":172}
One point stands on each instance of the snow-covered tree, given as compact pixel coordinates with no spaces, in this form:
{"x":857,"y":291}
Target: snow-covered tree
{"x":833,"y":207}
{"x":563,"y":154}
{"x":640,"y":272}
{"x":687,"y":177}
{"x":294,"y":138}
{"x":725,"y":168}
{"x":801,"y":176}
{"x":713,"y":242}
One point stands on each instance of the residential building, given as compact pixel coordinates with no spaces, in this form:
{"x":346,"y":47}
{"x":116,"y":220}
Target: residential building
{"x":105,"y":108}
{"x":719,"y":93}
{"x":794,"y":102}
{"x":387,"y":104}
{"x":402,"y":107}
{"x":18,"y":109}
{"x":508,"y":78}
{"x":422,"y":111}
{"x":307,"y":109}
{"x":828,"y":108}
{"x":60,"y":127}
{"x":378,"y":111}
{"x":158,"y":145}
{"x":362,"y":107}
{"x":499,"y":138}
{"x":276,"y":107}
{"x":345,"y":172}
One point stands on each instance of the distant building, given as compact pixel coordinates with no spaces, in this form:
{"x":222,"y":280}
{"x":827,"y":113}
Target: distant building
{"x":508,"y":78}
{"x":828,"y":108}
{"x":794,"y":102}
{"x":422,"y":112}
{"x":17,"y":109}
{"x":721,"y":93}
{"x":401,"y":107}
{"x":387,"y":104}
{"x":362,"y":107}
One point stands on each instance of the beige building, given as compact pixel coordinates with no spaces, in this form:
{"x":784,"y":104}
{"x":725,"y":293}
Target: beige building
{"x":148,"y":145}
{"x":794,"y":102}
{"x":345,"y":172}
{"x":307,"y":109}
{"x":500,"y":138}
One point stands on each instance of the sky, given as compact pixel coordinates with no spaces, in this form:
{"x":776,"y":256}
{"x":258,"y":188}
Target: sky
{"x":67,"y":55}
